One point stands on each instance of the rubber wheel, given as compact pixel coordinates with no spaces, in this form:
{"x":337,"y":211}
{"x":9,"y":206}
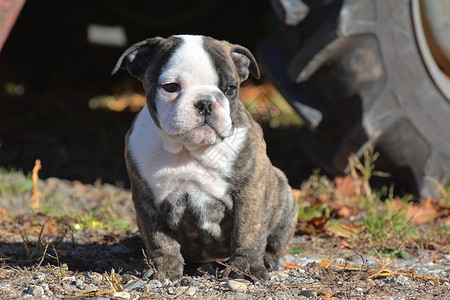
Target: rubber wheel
{"x":356,"y":72}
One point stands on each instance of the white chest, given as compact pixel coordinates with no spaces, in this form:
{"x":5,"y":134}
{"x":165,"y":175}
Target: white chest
{"x":172,"y":171}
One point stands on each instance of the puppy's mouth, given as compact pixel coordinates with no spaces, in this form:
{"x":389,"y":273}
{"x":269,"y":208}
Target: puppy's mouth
{"x":203,"y":134}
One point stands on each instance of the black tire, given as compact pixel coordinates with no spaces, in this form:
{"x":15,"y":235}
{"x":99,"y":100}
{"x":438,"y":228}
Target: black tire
{"x":354,"y":71}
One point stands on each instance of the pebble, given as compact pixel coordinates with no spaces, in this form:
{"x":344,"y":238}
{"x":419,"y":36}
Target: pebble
{"x":166,"y":282}
{"x":96,"y":277}
{"x":69,"y":287}
{"x":4,"y":287}
{"x":69,"y":278}
{"x":308,"y":293}
{"x":34,"y":290}
{"x":79,"y":282}
{"x":238,"y":285}
{"x":191,"y":291}
{"x":404,"y":281}
{"x":153,"y":284}
{"x":134,"y":284}
{"x":148,"y":274}
{"x":240,"y":296}
{"x":280,"y":274}
{"x":121,"y":295}
{"x":195,"y":282}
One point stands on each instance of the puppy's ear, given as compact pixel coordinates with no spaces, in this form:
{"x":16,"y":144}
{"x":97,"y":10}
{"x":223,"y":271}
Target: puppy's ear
{"x":138,"y":56}
{"x":244,"y":61}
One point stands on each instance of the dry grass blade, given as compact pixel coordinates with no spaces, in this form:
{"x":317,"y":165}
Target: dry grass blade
{"x":43,"y":256}
{"x":114,"y":280}
{"x":91,"y":293}
{"x":383,"y":271}
{"x":352,"y":248}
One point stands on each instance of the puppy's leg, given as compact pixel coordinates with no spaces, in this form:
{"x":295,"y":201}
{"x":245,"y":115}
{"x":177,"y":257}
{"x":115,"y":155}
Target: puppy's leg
{"x":279,"y":238}
{"x":162,"y":247}
{"x":249,"y":235}
{"x":285,"y":226}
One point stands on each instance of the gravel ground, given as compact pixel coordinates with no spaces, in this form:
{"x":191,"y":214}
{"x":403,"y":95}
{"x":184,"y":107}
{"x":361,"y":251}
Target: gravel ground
{"x":58,"y":261}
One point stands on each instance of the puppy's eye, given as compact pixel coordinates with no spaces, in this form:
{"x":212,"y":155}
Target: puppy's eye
{"x":230,"y":90}
{"x":171,"y":87}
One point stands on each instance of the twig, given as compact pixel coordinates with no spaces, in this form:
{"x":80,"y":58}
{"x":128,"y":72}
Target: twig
{"x":43,"y":256}
{"x":245,"y":273}
{"x":359,"y":253}
{"x":149,"y":263}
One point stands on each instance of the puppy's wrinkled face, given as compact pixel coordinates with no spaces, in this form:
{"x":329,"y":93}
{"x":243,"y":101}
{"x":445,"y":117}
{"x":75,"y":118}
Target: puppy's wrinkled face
{"x":190,"y":105}
{"x":191,"y":83}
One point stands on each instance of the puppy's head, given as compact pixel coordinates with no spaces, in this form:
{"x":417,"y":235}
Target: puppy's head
{"x":191,"y":84}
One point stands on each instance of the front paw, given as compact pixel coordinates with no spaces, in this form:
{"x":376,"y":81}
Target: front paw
{"x":170,"y":267}
{"x":244,"y":267}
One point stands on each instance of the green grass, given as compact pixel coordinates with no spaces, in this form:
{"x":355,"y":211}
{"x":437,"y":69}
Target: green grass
{"x":441,"y":230}
{"x":14,"y":183}
{"x":103,"y":212}
{"x":296,"y":250}
{"x":383,"y":223}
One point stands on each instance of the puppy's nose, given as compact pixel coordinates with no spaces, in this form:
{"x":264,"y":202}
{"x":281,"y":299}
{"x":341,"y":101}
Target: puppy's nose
{"x":204,"y":107}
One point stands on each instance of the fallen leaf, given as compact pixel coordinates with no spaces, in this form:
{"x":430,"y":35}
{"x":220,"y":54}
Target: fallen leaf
{"x":347,"y":244}
{"x":345,"y":212}
{"x":291,"y":266}
{"x":3,"y":214}
{"x":327,"y":296}
{"x":316,"y":224}
{"x":430,"y":210}
{"x":325,"y":263}
{"x":348,"y":186}
{"x":347,"y":231}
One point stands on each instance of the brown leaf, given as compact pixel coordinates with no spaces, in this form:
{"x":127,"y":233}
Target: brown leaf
{"x":348,"y":186}
{"x":345,"y":212}
{"x":325,"y":263}
{"x":316,"y":224}
{"x":344,"y":230}
{"x":3,"y":214}
{"x":291,"y":266}
{"x":423,"y":213}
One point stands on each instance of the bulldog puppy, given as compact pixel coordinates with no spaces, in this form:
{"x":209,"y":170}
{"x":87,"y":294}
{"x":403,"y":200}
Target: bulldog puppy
{"x":202,"y":184}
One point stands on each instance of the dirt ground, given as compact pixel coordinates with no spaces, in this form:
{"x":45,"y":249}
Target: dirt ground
{"x":62,"y":257}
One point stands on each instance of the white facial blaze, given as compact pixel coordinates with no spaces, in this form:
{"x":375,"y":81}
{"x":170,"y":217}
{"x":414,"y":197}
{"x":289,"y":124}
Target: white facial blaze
{"x":193,"y":70}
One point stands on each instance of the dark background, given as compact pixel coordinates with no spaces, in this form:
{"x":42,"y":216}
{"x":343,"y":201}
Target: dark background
{"x":49,"y":61}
